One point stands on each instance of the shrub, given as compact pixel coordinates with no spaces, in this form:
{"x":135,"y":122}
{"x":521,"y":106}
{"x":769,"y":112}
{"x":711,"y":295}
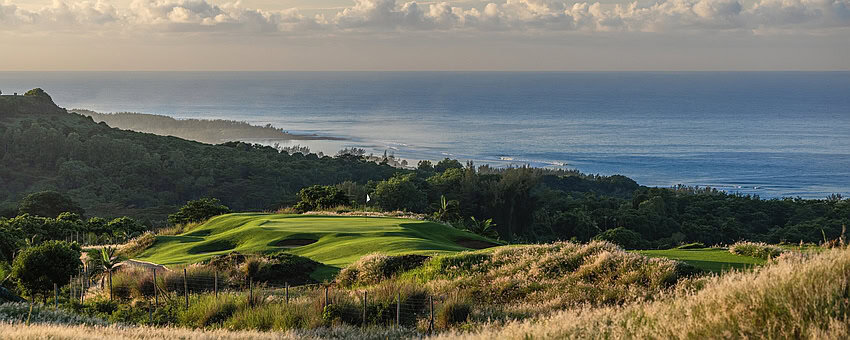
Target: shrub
{"x":36,"y":269}
{"x":320,"y":197}
{"x":198,"y":211}
{"x":374,"y":268}
{"x":286,"y":268}
{"x":207,"y":310}
{"x":756,"y":249}
{"x":137,"y":245}
{"x":451,"y":313}
{"x":695,"y":245}
{"x":622,"y":237}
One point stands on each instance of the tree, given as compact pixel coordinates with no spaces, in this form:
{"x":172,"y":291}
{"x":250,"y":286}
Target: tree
{"x":448,"y":210}
{"x":125,"y":227}
{"x":400,"y":193}
{"x":37,"y":92}
{"x":37,"y":268}
{"x":484,"y":228}
{"x":320,"y":197}
{"x":446,"y":164}
{"x":11,"y":239}
{"x":48,"y":204}
{"x":198,"y":211}
{"x":108,"y":261}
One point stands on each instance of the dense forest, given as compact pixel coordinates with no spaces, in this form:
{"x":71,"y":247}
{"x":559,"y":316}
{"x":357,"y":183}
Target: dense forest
{"x":211,"y":131}
{"x":113,"y":172}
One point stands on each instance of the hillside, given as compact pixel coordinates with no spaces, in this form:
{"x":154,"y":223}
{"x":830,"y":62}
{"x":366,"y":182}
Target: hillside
{"x":335,"y":241}
{"x":202,"y":130}
{"x":113,"y":172}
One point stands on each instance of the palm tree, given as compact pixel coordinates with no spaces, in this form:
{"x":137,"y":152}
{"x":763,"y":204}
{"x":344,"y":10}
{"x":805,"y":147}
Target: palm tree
{"x":109,"y":262}
{"x":484,"y":228}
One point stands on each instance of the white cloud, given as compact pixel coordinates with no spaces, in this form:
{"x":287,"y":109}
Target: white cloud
{"x":391,"y":15}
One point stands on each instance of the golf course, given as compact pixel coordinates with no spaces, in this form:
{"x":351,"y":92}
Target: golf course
{"x":334,"y":241}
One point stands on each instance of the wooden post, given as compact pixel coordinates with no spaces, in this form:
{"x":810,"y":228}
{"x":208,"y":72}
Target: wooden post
{"x":82,"y":289}
{"x":215,"y":286}
{"x":55,"y":296}
{"x":287,"y":293}
{"x":326,"y":298}
{"x":185,"y":288}
{"x":398,"y":310}
{"x":365,"y":295}
{"x":110,"y":285}
{"x":251,"y":291}
{"x":431,"y":323}
{"x":155,"y":288}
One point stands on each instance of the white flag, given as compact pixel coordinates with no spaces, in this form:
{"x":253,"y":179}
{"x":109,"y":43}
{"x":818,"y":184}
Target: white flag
{"x":368,"y":198}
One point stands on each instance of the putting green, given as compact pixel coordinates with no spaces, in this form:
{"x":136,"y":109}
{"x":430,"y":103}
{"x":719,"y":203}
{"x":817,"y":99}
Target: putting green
{"x":335,"y":241}
{"x":711,"y":259}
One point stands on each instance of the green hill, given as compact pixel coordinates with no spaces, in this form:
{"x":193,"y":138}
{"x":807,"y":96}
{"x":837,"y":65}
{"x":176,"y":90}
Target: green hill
{"x":112,"y":172}
{"x":335,"y":241}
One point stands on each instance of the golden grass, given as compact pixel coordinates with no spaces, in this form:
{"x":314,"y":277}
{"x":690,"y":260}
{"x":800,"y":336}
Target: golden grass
{"x":20,"y":331}
{"x":803,"y":296}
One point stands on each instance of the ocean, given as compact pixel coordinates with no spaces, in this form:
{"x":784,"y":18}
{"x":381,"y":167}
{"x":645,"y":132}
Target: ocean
{"x":772,"y":134}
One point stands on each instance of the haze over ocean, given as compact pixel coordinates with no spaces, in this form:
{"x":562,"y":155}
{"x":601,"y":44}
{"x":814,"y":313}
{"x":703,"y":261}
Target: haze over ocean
{"x":767,"y":133}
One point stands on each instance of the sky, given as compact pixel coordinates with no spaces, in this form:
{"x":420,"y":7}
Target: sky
{"x":494,"y":35}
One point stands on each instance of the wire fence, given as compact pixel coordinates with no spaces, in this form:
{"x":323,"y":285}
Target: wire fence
{"x":387,"y":307}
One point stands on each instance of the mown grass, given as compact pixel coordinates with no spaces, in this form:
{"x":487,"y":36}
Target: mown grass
{"x":715,"y":260}
{"x":340,"y":240}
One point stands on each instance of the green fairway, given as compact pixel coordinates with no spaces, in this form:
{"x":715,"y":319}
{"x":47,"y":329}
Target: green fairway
{"x":711,"y":259}
{"x":336,"y":240}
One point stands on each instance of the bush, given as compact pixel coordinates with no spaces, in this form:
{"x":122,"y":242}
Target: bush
{"x":36,"y":269}
{"x":320,"y":197}
{"x":198,"y":211}
{"x":756,"y":249}
{"x":207,"y":310}
{"x":286,"y":268}
{"x":452,"y":313}
{"x":623,"y":237}
{"x":695,"y":245}
{"x":137,"y":245}
{"x":374,"y":268}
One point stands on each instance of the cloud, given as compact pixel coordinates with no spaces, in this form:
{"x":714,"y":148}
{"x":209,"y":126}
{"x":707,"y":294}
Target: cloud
{"x":533,"y":16}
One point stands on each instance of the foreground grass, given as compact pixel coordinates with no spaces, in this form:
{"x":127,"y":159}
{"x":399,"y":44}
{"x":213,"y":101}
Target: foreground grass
{"x":798,"y":296}
{"x":711,"y":259}
{"x":339,"y":240}
{"x":801,"y":296}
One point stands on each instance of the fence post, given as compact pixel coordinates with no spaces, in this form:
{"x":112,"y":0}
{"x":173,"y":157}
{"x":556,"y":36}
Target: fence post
{"x":150,"y":312}
{"x":71,"y":288}
{"x":82,"y":289}
{"x":326,"y":299}
{"x":365,"y":294}
{"x":155,"y":288}
{"x":185,"y":288}
{"x":110,"y":285}
{"x":431,"y":323}
{"x":287,"y":293}
{"x":55,"y":296}
{"x":251,"y":291}
{"x":398,"y":310}
{"x":215,"y":286}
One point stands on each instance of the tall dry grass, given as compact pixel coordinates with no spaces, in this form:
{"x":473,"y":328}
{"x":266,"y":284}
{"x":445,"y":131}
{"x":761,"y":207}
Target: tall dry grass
{"x":797,"y":296}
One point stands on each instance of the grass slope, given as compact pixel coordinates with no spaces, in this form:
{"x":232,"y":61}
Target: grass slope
{"x":340,"y":240}
{"x":711,"y":259}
